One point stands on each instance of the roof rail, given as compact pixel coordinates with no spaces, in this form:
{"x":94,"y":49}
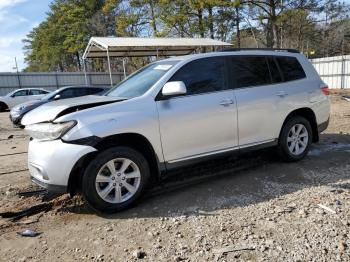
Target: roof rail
{"x":261,"y":49}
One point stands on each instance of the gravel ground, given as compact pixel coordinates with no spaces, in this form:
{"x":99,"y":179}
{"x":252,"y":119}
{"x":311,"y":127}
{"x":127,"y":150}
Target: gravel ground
{"x":258,"y":209}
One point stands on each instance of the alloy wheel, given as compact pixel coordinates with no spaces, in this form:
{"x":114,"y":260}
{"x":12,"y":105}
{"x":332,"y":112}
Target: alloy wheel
{"x":118,"y":180}
{"x":297,"y":139}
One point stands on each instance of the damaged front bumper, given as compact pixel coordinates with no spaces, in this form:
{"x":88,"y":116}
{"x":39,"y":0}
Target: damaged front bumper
{"x":56,"y":189}
{"x":50,"y":163}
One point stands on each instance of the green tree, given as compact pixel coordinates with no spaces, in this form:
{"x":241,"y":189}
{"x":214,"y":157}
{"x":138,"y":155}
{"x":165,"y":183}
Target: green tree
{"x":58,"y":42}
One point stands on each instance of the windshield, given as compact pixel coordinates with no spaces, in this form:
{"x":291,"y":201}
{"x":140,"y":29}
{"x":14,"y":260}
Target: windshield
{"x":142,"y":80}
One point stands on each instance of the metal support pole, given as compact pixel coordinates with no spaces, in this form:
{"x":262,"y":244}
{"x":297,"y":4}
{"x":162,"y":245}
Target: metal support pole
{"x":109,"y":68}
{"x":56,"y":78}
{"x":124,"y":67}
{"x":86,"y":81}
{"x":342,"y":77}
{"x":18,"y":77}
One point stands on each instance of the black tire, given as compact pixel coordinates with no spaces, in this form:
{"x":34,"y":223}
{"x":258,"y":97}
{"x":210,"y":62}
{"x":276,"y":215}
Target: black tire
{"x":283,"y":149}
{"x":89,"y":190}
{"x":3,"y":107}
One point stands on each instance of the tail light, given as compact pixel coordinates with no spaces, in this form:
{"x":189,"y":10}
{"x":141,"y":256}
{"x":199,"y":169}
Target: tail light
{"x":325,"y":90}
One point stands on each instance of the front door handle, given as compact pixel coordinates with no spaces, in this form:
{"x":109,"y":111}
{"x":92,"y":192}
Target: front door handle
{"x":226,"y":102}
{"x":281,"y":94}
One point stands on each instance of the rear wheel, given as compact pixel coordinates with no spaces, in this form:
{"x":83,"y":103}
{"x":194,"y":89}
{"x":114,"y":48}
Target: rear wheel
{"x":295,"y":139}
{"x":115,"y":179}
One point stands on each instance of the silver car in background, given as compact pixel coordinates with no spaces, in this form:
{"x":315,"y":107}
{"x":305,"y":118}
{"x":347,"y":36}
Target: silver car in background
{"x":173,"y":113}
{"x":20,"y":96}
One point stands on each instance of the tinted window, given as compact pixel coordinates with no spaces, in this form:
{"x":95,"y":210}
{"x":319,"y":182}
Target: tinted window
{"x":67,"y":93}
{"x":20,"y":93}
{"x":35,"y":92}
{"x":203,"y":75}
{"x":81,"y":91}
{"x":291,"y":68}
{"x":250,"y":71}
{"x":95,"y":90}
{"x":275,"y":73}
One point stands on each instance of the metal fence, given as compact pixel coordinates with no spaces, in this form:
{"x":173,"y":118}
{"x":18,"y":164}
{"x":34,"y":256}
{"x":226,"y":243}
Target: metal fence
{"x":335,"y":71}
{"x":53,"y":81}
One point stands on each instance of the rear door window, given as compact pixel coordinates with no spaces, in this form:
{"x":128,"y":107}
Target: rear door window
{"x":34,"y":92}
{"x":291,"y":68}
{"x":250,"y":71}
{"x":203,"y":75}
{"x":276,"y":76}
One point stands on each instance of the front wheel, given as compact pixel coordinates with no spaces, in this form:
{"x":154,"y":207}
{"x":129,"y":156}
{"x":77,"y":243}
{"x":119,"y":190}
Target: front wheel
{"x":3,"y":107}
{"x":295,"y":139}
{"x":115,"y":179}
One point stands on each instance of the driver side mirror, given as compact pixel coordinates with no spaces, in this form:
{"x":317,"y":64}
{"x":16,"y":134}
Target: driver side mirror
{"x":174,"y":88}
{"x":57,"y":97}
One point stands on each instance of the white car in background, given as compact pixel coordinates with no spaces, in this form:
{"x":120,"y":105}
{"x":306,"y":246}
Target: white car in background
{"x":20,"y":96}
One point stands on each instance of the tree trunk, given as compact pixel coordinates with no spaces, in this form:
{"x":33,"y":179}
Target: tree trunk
{"x":238,"y":30}
{"x":153,"y":22}
{"x":200,"y":22}
{"x":211,"y":23}
{"x":274,"y":26}
{"x":78,"y":60}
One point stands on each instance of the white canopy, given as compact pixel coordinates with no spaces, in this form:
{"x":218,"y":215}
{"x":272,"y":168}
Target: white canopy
{"x":136,"y":47}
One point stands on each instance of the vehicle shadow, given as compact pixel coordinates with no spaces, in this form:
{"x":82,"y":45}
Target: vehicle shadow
{"x":243,"y":181}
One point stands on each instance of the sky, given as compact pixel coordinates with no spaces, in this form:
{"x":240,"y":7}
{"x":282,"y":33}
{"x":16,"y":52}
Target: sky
{"x":17,"y":19}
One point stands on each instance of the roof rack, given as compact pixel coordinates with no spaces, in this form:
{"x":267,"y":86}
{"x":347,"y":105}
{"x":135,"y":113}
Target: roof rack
{"x":261,"y":49}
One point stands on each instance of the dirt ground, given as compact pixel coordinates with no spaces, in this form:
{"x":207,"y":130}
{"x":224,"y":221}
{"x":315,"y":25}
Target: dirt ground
{"x":256,"y":209}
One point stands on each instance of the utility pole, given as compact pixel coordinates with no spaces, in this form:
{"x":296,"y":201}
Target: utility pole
{"x":18,"y":78}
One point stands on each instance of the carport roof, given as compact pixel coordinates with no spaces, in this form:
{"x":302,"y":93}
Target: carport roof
{"x":138,"y":47}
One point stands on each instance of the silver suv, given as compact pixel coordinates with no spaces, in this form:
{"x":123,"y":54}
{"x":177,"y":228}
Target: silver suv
{"x":173,"y":113}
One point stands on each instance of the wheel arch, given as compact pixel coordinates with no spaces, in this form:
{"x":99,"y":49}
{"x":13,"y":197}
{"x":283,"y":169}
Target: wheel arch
{"x":132,"y":140}
{"x":4,"y":104}
{"x":310,"y":115}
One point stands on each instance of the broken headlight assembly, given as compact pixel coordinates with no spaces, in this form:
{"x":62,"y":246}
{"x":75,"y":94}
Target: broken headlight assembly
{"x":49,"y":131}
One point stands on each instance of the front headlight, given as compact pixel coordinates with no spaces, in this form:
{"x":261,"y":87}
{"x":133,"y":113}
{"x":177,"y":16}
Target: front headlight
{"x":49,"y":131}
{"x":15,"y":113}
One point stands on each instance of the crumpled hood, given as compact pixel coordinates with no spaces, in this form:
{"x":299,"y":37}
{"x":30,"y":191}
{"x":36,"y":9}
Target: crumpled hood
{"x":50,"y":111}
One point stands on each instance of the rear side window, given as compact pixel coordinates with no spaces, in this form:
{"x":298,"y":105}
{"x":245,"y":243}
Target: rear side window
{"x":291,"y":68}
{"x":275,"y":73}
{"x":203,"y":75}
{"x":250,"y":70}
{"x":34,"y":92}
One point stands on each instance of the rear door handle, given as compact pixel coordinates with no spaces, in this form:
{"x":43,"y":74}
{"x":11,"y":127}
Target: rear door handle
{"x":226,"y":102}
{"x":281,"y":94}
